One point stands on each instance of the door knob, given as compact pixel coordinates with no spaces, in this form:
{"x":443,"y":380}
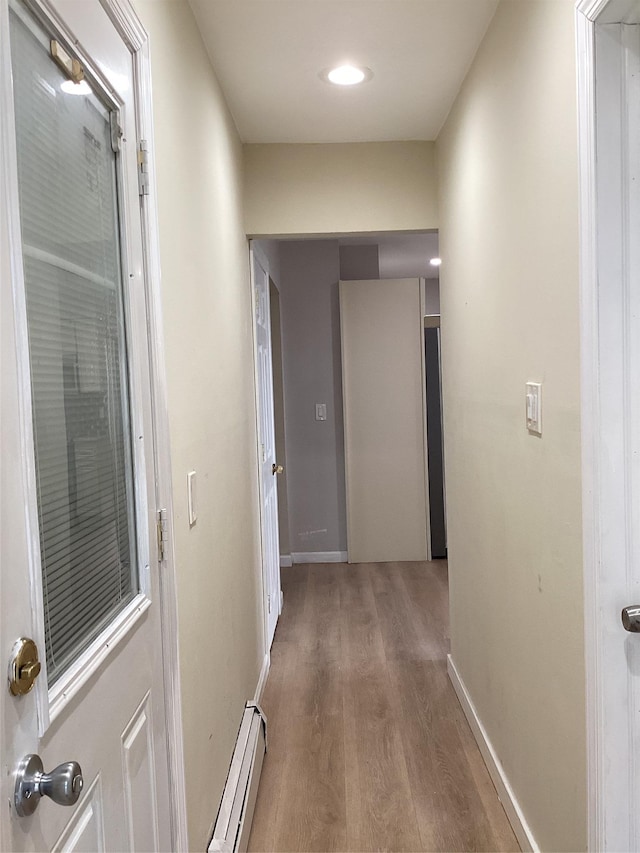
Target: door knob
{"x":63,"y":785}
{"x":276,"y":469}
{"x":631,"y":618}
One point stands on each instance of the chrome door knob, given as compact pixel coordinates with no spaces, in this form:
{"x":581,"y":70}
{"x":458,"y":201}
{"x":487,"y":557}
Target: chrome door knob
{"x":631,"y":618}
{"x":63,"y":785}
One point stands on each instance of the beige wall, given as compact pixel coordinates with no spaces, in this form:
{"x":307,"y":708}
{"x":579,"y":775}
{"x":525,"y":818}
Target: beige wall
{"x":339,"y":188}
{"x":206,"y":303}
{"x":509,"y":290}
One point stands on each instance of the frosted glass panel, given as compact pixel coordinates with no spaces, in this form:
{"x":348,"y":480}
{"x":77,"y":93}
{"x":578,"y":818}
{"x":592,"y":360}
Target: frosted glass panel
{"x":69,"y":214}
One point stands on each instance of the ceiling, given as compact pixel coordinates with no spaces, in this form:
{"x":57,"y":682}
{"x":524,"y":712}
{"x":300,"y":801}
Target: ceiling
{"x":268,"y":54}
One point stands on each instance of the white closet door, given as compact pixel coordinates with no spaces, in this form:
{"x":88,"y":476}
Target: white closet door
{"x":381,"y":328}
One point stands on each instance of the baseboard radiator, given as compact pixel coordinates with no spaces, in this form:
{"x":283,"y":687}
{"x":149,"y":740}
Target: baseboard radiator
{"x":233,"y":824}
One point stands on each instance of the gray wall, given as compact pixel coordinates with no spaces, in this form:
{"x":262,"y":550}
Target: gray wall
{"x":432,"y":296}
{"x":309,"y":274}
{"x":359,"y":263}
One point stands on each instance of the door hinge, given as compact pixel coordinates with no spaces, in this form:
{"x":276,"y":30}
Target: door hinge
{"x":163,"y":535}
{"x":269,"y":602}
{"x":143,"y":167}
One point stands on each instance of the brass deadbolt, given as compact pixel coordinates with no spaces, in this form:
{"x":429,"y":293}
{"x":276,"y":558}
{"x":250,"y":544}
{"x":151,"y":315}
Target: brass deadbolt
{"x":276,"y":469}
{"x":24,"y":667}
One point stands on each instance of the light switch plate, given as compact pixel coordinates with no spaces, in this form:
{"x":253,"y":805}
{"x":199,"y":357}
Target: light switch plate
{"x":191,"y":498}
{"x":534,"y":407}
{"x":321,"y":411}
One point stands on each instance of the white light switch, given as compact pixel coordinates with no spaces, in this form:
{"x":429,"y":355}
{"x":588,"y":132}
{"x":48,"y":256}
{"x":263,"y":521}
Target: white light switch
{"x":534,"y":407}
{"x":191,"y":497}
{"x":321,"y":411}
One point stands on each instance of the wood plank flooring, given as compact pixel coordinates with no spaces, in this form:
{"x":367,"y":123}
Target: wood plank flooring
{"x":368,"y":746}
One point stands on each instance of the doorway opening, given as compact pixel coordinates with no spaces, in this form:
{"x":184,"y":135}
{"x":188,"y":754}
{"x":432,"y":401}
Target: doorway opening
{"x":309,"y":400}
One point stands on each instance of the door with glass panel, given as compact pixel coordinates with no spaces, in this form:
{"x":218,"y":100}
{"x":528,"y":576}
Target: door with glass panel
{"x":84,"y":745}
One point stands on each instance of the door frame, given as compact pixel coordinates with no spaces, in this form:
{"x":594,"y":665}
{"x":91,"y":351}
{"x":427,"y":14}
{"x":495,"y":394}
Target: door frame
{"x":132,"y":32}
{"x":610,"y":359}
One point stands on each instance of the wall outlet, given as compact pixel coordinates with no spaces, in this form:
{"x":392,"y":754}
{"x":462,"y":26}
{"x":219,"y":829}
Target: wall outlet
{"x":321,"y":411}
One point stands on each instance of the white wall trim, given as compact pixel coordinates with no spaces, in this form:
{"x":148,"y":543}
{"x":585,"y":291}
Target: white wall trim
{"x":503,"y":787}
{"x":124,"y":17}
{"x":585,"y":56}
{"x":591,"y":9}
{"x":319,"y":557}
{"x":262,"y":678}
{"x":286,"y":560}
{"x":609,"y":11}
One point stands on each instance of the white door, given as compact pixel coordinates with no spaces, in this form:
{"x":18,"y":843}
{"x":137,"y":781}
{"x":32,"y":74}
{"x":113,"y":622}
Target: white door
{"x":609,"y":75}
{"x":79,"y":554}
{"x":382,"y":339}
{"x":266,"y":448}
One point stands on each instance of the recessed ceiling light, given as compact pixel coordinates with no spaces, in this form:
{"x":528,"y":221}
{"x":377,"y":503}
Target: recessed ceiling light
{"x":435,"y":262}
{"x":71,"y":88}
{"x":346,"y":75}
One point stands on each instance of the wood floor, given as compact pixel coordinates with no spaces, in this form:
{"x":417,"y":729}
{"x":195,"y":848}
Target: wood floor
{"x":368,"y":746}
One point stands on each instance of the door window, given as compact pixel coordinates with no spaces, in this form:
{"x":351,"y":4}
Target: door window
{"x":68,"y":185}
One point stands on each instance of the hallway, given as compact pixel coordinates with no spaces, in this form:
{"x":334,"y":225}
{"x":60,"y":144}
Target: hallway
{"x":368,"y":746}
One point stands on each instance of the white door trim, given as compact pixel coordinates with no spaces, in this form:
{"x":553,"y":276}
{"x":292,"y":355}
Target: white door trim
{"x":610,"y":417}
{"x":133,"y":33}
{"x":589,"y":385}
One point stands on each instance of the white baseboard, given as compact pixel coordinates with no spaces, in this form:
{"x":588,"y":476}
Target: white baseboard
{"x":505,"y":792}
{"x":319,"y":557}
{"x":285,"y":561}
{"x":262,"y":679}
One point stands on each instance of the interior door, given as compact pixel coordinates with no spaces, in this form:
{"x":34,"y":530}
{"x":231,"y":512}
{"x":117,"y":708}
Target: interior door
{"x":78,"y":558}
{"x":381,"y":329}
{"x":609,"y":76}
{"x":269,"y":467}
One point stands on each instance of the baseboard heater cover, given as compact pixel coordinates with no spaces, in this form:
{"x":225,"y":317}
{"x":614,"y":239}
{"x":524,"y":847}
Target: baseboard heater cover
{"x":233,"y":824}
